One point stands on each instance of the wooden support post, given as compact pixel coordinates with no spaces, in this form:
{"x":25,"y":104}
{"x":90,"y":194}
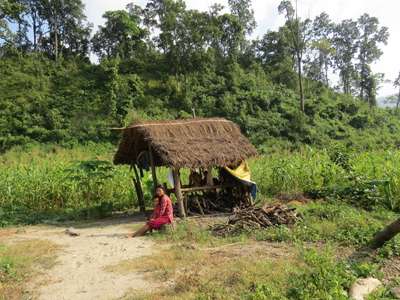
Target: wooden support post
{"x":139,"y":191}
{"x":209,"y":179}
{"x":153,"y":168}
{"x":178,"y":192}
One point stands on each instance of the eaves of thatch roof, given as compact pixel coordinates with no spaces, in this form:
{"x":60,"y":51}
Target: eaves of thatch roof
{"x":192,"y":143}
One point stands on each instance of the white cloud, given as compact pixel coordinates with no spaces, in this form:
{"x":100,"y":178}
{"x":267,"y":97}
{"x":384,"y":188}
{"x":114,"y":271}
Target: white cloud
{"x":267,"y":18}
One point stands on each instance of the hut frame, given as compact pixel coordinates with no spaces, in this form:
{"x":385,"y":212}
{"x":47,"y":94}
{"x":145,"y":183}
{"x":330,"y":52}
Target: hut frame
{"x":192,"y":143}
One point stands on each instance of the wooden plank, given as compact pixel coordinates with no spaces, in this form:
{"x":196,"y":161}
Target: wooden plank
{"x":153,"y":168}
{"x":204,"y":188}
{"x":178,"y":192}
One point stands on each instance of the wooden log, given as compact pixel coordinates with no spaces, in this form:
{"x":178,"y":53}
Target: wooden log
{"x":153,"y":168}
{"x":139,"y":190}
{"x":386,"y":234}
{"x":178,"y":192}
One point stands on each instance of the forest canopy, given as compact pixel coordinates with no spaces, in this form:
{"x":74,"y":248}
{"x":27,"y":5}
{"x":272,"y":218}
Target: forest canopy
{"x":165,"y":61}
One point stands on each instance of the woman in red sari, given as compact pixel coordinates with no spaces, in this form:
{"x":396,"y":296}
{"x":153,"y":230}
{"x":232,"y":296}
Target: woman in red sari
{"x":162,"y":214}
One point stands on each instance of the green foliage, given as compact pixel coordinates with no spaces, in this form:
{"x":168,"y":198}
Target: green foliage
{"x":321,"y":278}
{"x":51,"y":93}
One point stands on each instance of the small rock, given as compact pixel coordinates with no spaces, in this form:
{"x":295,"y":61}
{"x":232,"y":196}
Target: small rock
{"x":71,"y":231}
{"x":362,"y":287}
{"x":396,"y":292}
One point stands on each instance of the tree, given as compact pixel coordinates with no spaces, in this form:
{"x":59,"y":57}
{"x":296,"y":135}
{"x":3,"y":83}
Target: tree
{"x":166,"y":16}
{"x":243,"y":11}
{"x":33,"y":18}
{"x":9,"y":12}
{"x":396,"y":84}
{"x":368,"y":44}
{"x":274,"y":53}
{"x":120,"y":37}
{"x":299,"y":33}
{"x":321,"y":51}
{"x":345,"y":36}
{"x":68,"y":33}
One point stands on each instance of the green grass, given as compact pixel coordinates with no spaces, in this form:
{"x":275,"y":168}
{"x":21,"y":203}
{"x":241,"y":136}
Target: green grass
{"x":36,"y":184}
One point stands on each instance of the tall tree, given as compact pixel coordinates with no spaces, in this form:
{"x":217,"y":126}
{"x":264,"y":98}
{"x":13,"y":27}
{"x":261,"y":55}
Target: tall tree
{"x":243,"y":10}
{"x":275,"y":54}
{"x":68,"y":30}
{"x":34,"y":20}
{"x":120,"y":37}
{"x":321,"y":52}
{"x":166,"y":16}
{"x":9,"y":13}
{"x":396,"y":84}
{"x":345,"y":37}
{"x":299,"y":33}
{"x":370,"y":37}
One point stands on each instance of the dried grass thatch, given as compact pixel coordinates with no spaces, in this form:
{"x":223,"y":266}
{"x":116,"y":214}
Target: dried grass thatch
{"x":189,"y":143}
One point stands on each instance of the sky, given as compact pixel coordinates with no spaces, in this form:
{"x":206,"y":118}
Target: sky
{"x":267,"y":18}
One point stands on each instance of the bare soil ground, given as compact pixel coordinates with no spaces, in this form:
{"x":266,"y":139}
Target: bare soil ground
{"x":80,"y":269}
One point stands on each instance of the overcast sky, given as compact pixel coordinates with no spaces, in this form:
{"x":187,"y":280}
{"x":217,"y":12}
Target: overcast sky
{"x":266,"y":14}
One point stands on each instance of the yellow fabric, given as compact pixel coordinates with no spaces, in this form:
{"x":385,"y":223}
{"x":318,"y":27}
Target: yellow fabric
{"x":242,"y":171}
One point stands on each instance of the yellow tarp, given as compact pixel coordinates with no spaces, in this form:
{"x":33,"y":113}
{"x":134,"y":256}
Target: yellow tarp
{"x":242,"y":172}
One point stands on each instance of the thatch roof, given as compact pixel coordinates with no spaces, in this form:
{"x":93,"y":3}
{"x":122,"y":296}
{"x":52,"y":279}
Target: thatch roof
{"x":189,"y":143}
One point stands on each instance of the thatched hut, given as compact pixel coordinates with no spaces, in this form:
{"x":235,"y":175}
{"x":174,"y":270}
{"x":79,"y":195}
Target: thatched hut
{"x":191,"y":143}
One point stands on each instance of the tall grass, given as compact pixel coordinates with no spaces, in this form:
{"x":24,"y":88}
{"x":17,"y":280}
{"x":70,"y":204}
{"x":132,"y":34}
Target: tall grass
{"x":39,"y":181}
{"x":310,"y":169}
{"x":36,"y":180}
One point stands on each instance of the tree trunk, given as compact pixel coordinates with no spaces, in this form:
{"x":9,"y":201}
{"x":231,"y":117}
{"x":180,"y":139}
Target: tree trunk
{"x":386,"y":234}
{"x":178,"y":192}
{"x":300,"y":82}
{"x":34,"y":29}
{"x":56,"y":44}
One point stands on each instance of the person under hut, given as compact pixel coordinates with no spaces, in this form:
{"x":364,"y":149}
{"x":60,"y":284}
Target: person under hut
{"x":162,"y":214}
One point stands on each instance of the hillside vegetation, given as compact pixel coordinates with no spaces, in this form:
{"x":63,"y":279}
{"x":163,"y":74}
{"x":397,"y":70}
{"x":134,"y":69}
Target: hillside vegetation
{"x":166,"y":61}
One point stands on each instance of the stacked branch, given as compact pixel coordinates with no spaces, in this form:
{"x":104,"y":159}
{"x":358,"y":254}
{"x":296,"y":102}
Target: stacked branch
{"x":252,"y":218}
{"x":218,"y":202}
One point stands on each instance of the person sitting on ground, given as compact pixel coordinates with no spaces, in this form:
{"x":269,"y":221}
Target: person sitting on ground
{"x":162,"y":214}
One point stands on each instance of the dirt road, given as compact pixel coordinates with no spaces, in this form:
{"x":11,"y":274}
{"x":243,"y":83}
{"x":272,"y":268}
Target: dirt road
{"x":80,"y":269}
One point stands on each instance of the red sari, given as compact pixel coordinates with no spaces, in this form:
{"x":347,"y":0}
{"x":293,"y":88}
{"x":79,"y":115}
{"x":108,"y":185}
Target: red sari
{"x":162,"y":214}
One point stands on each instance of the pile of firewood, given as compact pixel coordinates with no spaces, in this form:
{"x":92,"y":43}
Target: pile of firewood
{"x":223,"y":202}
{"x":251,"y":218}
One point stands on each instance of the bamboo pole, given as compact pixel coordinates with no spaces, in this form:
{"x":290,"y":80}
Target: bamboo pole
{"x":139,"y":190}
{"x":153,"y":168}
{"x":209,"y":179}
{"x":178,"y":192}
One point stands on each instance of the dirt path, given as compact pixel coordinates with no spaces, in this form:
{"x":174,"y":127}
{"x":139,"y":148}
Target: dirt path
{"x":79,"y":272}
